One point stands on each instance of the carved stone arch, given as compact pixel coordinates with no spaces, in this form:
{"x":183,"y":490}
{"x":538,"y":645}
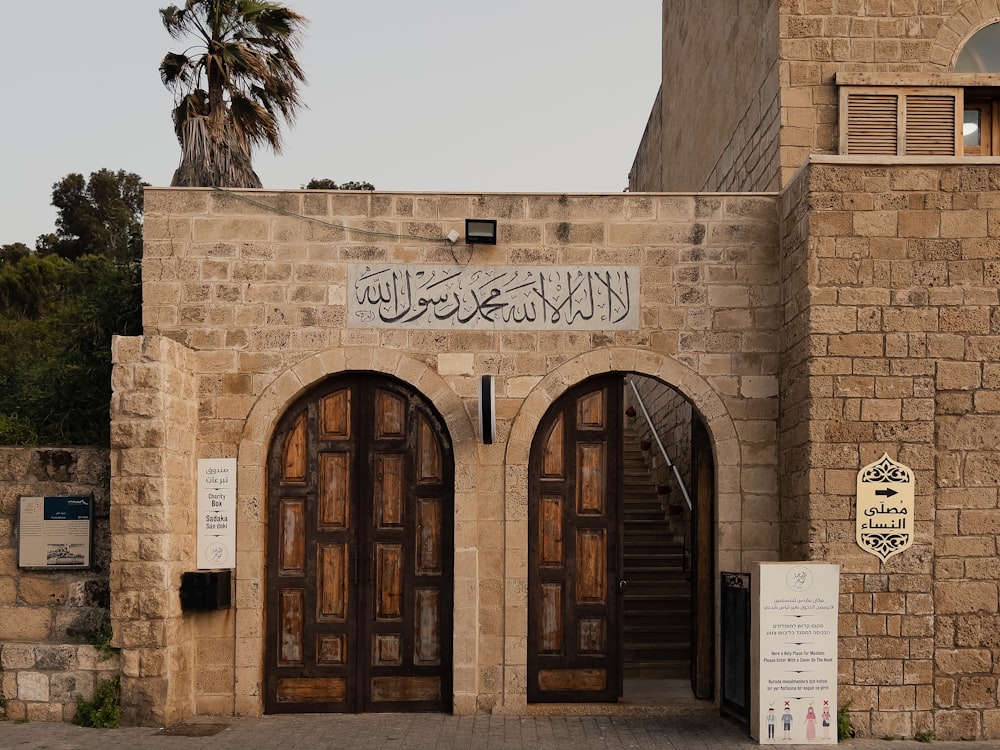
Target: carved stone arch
{"x":958,"y":28}
{"x":705,"y":401}
{"x":251,"y":487}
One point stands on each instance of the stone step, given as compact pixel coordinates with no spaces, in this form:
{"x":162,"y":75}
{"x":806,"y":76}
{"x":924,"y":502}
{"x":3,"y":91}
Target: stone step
{"x":672,"y":670}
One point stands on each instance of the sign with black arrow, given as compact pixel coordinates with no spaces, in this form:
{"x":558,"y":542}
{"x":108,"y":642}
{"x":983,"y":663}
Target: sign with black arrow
{"x":885,"y":525}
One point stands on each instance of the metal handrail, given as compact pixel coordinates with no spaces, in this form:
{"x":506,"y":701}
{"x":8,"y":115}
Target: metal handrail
{"x":663,"y":450}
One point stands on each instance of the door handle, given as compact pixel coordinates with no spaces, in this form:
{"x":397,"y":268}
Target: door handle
{"x":622,"y":584}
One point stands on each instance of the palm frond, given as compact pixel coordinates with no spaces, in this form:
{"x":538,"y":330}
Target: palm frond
{"x":235,"y":87}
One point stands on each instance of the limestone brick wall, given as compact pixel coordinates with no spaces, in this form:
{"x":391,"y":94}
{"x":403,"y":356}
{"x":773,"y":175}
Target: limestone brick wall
{"x":48,"y":618}
{"x":647,"y":168}
{"x":154,"y":434}
{"x":717,"y":128}
{"x":821,"y":37}
{"x":903,"y":319}
{"x":251,"y":292}
{"x":796,"y":396}
{"x":671,"y":413}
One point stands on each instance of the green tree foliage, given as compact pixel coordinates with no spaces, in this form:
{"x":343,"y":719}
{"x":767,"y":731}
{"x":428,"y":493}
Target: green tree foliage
{"x":59,"y":308}
{"x":233,"y":85}
{"x":13,"y":252}
{"x":326,"y":183}
{"x":98,"y":216}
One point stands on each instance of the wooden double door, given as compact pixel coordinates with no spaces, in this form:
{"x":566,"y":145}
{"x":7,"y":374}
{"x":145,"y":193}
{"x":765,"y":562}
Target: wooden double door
{"x":575,"y":547}
{"x":360,"y":552}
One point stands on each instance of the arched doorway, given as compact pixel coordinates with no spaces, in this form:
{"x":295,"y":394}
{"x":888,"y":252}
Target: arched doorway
{"x":360,"y":479}
{"x":590,"y":536}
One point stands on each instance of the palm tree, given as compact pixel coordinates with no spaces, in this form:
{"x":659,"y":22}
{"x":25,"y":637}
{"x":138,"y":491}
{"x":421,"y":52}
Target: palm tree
{"x":232,"y":87}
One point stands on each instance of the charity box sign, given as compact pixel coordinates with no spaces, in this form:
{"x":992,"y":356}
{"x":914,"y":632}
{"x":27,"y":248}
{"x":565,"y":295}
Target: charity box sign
{"x":216,"y":513}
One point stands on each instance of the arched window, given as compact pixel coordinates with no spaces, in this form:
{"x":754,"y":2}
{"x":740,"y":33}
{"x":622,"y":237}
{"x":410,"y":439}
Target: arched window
{"x":981,"y":54}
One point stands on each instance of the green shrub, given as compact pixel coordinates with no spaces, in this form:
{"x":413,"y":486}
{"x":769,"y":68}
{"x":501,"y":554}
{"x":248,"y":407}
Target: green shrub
{"x":844,"y":728}
{"x":105,"y":710}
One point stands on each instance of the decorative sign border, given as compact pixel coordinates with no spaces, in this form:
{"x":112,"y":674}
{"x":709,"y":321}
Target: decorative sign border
{"x":424,"y":296}
{"x":55,"y":532}
{"x":884,"y":525}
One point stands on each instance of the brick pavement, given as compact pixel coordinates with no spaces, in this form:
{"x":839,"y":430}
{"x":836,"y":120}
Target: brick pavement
{"x":425,"y":731}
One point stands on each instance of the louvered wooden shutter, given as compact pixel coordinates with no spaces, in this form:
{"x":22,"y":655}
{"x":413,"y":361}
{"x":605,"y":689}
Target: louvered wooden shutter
{"x":930,"y":125}
{"x":872,"y":123}
{"x":900,"y":122}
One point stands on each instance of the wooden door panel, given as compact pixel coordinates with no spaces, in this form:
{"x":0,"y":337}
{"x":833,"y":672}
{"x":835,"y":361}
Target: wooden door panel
{"x":593,"y":636}
{"x":553,"y":460}
{"x":390,"y":415}
{"x":389,"y":490}
{"x":360,"y":552}
{"x":406,"y":689}
{"x":428,"y":455}
{"x":427,"y":627}
{"x":292,"y":541}
{"x":292,"y":610}
{"x":388,"y":581}
{"x":591,"y":412}
{"x":573,"y":680}
{"x":331,"y":650}
{"x":551,"y":628}
{"x":550,"y":531}
{"x":429,"y":526}
{"x":334,"y":490}
{"x":574,"y":556}
{"x":311,"y":690}
{"x":591,"y":566}
{"x":592,"y":478}
{"x":332,"y":581}
{"x":335,"y":416}
{"x":294,"y":454}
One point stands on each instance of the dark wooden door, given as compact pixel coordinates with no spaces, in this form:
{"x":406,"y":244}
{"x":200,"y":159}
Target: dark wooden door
{"x":359,"y":564}
{"x":702,"y":566}
{"x":575,"y":549}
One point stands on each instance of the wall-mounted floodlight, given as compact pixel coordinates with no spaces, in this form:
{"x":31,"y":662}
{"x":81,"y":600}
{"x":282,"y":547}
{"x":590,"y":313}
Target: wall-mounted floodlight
{"x":481,"y":231}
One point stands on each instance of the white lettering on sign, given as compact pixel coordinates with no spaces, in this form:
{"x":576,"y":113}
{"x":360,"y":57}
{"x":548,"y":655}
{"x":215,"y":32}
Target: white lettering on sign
{"x":493,"y":297}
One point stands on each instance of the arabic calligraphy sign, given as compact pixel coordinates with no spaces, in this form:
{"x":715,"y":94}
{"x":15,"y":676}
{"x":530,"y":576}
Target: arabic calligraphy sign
{"x":493,"y":297}
{"x":884,"y":525}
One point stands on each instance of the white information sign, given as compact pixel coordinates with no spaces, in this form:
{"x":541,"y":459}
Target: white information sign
{"x":54,"y":532}
{"x":794,"y":647}
{"x":216,"y":513}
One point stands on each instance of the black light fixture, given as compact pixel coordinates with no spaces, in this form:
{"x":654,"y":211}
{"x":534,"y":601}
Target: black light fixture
{"x":481,"y":231}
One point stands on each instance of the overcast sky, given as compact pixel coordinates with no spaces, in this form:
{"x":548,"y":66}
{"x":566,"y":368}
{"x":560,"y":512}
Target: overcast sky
{"x":440,"y":95}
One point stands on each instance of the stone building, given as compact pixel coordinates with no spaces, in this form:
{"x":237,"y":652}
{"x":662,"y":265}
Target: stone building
{"x":802,"y":278}
{"x":877,"y":123}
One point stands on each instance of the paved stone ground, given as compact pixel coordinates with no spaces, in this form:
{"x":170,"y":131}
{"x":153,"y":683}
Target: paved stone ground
{"x":425,"y":732}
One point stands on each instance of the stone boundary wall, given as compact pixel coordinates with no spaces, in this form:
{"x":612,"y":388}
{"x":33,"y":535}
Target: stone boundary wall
{"x":903,"y":353}
{"x":46,"y":617}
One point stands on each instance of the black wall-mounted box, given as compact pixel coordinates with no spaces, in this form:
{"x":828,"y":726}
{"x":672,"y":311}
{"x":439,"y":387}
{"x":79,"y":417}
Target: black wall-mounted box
{"x":205,"y":591}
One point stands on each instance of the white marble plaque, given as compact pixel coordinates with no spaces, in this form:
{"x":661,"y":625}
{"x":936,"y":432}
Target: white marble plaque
{"x":794,"y":647}
{"x":563,"y":298}
{"x":216,"y":513}
{"x":884,"y":524}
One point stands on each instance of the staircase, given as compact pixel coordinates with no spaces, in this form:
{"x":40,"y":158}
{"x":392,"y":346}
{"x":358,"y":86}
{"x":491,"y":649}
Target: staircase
{"x":657,"y":601}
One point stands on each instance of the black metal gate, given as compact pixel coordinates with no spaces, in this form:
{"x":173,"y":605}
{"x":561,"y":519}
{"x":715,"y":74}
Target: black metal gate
{"x":735,"y":694}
